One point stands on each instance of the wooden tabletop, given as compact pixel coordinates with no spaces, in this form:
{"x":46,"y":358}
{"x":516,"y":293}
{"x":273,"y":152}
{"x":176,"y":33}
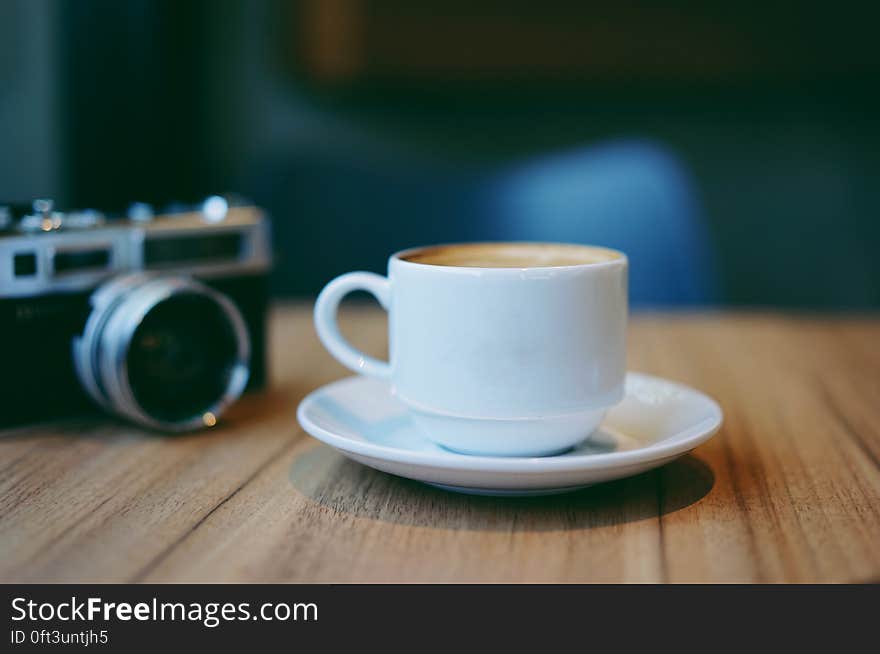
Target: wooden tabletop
{"x":788,"y":490}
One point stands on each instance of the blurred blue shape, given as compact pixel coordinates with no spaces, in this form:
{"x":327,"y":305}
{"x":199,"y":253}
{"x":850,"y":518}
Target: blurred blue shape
{"x":633,"y":196}
{"x":340,"y":209}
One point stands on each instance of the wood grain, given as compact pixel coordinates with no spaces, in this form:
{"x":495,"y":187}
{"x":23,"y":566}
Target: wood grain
{"x":789,"y":490}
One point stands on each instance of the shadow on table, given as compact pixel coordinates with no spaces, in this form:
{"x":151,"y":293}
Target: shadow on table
{"x":343,"y":486}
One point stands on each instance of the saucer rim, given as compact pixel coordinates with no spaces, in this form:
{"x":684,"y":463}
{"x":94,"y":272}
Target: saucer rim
{"x":680,"y":443}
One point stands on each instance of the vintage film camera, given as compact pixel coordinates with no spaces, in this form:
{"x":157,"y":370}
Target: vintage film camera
{"x":157,"y":317}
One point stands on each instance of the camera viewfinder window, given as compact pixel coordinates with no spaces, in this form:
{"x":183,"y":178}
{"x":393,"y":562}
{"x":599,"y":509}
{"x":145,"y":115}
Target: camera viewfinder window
{"x":25,"y":265}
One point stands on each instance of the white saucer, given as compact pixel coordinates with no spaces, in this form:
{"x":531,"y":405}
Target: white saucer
{"x":657,"y":421}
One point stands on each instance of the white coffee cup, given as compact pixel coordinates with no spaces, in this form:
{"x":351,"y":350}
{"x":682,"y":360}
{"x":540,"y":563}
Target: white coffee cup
{"x":501,"y":349}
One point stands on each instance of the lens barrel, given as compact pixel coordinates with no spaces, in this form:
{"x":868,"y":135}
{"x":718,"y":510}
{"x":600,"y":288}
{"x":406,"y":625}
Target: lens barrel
{"x":167,"y":352}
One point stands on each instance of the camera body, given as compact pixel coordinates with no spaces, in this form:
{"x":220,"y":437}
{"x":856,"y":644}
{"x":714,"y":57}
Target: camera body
{"x":191,"y":284}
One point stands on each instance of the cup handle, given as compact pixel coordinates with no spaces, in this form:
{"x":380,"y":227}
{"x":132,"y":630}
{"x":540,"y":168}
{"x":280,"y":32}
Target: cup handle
{"x":328,"y":328}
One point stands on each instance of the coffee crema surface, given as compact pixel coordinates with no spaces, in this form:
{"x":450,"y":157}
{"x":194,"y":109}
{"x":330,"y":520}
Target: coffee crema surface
{"x":511,"y":255}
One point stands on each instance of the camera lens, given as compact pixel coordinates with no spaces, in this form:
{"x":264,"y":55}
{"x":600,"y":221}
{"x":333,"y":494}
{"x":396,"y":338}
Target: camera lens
{"x":168,"y":352}
{"x":181,"y":357}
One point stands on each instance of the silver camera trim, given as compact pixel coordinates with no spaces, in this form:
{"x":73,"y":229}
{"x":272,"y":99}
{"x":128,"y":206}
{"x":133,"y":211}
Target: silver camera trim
{"x":125,"y":241}
{"x":100,"y":354}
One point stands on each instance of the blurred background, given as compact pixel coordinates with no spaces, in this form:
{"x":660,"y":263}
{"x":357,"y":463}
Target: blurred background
{"x":732,"y":149}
